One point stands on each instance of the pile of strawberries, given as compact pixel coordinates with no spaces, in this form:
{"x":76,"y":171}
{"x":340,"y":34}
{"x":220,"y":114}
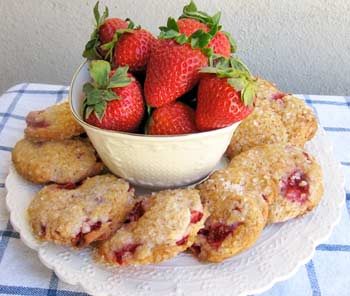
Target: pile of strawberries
{"x":184,"y":81}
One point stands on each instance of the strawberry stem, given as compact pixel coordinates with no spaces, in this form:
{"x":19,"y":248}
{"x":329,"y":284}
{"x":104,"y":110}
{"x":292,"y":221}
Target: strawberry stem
{"x":92,"y":45}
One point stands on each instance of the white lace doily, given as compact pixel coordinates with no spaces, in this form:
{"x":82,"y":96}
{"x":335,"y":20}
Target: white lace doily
{"x":277,"y":255}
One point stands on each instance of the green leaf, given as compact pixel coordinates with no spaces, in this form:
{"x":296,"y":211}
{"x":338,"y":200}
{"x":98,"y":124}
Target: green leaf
{"x":99,"y":72}
{"x":131,"y":24}
{"x":207,"y":51}
{"x":90,"y":51}
{"x":248,"y":95}
{"x":190,"y":7}
{"x":237,"y":83}
{"x":211,"y":70}
{"x":120,"y":78}
{"x":199,"y":39}
{"x":171,"y":34}
{"x":172,"y":24}
{"x":190,"y":11}
{"x":232,"y":41}
{"x":88,"y":87}
{"x":100,"y":109}
{"x":149,"y":110}
{"x":94,"y":97}
{"x":214,"y":30}
{"x":87,"y":111}
{"x":204,"y":40}
{"x":216,"y":18}
{"x":91,"y":47}
{"x":181,"y":39}
{"x":97,"y":13}
{"x":109,"y":96}
{"x":239,"y":65}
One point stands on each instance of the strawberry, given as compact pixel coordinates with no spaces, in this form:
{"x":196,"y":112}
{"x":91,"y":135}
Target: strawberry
{"x":188,"y":26}
{"x":174,"y":118}
{"x":134,"y":49}
{"x":172,"y":70}
{"x":225,"y":95}
{"x":114,"y":99}
{"x":116,"y":40}
{"x":103,"y":33}
{"x":222,"y":43}
{"x":109,"y":27}
{"x":174,"y":65}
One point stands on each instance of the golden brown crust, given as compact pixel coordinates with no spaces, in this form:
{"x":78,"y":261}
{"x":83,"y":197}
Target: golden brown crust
{"x":67,"y":161}
{"x":263,"y":126}
{"x":53,"y":123}
{"x":235,"y":223}
{"x":168,"y":225}
{"x":81,"y":215}
{"x":290,"y":166}
{"x":267,"y":90}
{"x":285,"y":119}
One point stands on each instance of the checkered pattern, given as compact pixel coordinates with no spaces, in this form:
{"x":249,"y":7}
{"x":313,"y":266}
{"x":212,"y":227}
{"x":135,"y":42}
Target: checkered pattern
{"x":21,"y":272}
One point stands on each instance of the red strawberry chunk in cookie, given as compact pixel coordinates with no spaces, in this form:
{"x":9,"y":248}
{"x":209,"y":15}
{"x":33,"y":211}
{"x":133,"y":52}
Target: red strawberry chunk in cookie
{"x":278,"y":96}
{"x":33,"y":120}
{"x":218,"y":232}
{"x":196,"y":216}
{"x":182,"y":241}
{"x":123,"y":253}
{"x":135,"y":213}
{"x":68,"y":186}
{"x":296,"y":187}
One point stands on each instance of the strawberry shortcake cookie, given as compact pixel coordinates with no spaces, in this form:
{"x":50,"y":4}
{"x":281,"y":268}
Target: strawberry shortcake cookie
{"x":285,"y":119}
{"x":158,"y":228}
{"x":296,"y":174}
{"x":67,"y":161}
{"x":235,"y":223}
{"x":65,"y":214}
{"x":54,"y":123}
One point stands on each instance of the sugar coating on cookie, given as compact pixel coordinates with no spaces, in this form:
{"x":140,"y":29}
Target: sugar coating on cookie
{"x":235,"y":223}
{"x":297,"y":176}
{"x":81,"y":215}
{"x":158,"y":228}
{"x":285,"y":119}
{"x":241,"y":182}
{"x":67,"y":161}
{"x":298,"y":118}
{"x":267,"y":90}
{"x":53,"y":123}
{"x":263,"y":126}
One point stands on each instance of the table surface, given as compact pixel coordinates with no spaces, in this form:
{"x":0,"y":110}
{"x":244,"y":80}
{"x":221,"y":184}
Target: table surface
{"x":21,"y":273}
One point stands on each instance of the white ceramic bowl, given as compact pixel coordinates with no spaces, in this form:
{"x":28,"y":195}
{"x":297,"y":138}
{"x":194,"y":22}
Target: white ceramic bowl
{"x":152,"y":161}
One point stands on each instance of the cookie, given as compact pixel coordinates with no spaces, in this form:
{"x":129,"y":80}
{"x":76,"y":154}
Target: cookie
{"x":81,"y":215}
{"x":67,"y":161}
{"x":240,"y":181}
{"x":263,"y":126}
{"x":299,"y":120}
{"x":298,"y":178}
{"x":235,"y":223}
{"x":159,"y":227}
{"x":285,"y":120}
{"x":267,"y":90}
{"x":53,"y":123}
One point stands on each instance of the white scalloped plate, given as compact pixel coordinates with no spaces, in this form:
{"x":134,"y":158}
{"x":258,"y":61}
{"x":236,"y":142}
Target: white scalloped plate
{"x":277,"y":255}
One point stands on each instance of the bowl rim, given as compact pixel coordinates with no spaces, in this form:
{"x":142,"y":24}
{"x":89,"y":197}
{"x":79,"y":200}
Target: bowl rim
{"x":134,"y":135}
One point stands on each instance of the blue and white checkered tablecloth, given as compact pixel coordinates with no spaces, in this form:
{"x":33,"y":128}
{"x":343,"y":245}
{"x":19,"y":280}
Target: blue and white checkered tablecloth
{"x":21,"y":272}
